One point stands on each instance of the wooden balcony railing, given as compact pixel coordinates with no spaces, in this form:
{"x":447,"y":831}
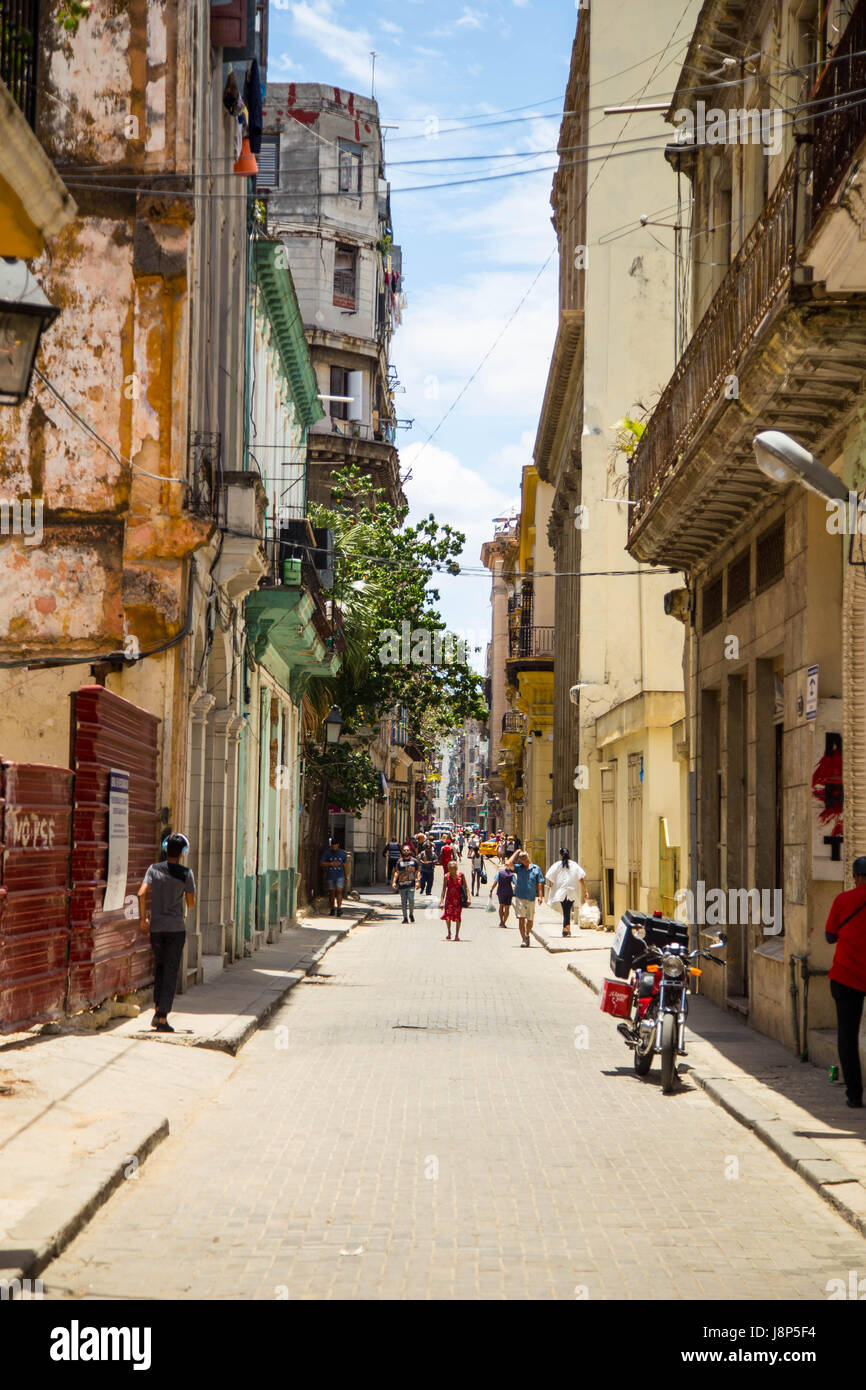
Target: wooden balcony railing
{"x":839,"y":122}
{"x":760,"y":270}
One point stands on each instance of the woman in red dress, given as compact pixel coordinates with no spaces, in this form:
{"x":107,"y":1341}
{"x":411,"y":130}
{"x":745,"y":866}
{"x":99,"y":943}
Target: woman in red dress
{"x":453,"y":889}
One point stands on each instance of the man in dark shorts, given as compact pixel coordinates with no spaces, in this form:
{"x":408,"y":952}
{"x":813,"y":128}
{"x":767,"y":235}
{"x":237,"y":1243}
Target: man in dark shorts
{"x":169,"y":885}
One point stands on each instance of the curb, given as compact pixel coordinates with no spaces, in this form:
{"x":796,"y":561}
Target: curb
{"x":48,"y":1230}
{"x":839,"y":1188}
{"x":242,"y":1027}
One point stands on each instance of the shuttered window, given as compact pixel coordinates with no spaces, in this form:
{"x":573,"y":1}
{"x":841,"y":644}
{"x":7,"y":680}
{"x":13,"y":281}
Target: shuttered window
{"x":268,"y":160}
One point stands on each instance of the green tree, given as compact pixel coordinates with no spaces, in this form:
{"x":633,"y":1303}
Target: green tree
{"x":384,"y":578}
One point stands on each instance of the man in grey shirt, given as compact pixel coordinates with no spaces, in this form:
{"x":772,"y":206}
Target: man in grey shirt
{"x":170,"y":885}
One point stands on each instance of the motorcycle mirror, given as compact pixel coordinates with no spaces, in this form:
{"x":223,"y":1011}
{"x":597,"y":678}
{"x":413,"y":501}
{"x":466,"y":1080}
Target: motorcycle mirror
{"x":717,"y":945}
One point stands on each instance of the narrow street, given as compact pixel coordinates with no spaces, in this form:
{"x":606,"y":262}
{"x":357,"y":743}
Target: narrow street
{"x":417,"y":1122}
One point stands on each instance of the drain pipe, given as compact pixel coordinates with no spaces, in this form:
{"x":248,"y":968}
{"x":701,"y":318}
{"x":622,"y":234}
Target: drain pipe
{"x":807,"y":972}
{"x":795,"y":1003}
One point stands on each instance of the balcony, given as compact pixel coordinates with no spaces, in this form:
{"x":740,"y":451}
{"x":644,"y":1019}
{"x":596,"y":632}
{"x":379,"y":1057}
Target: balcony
{"x":19,"y":43}
{"x":530,"y":643}
{"x":294,"y":629}
{"x":513,"y":723}
{"x":840,"y":126}
{"x":773,"y":350}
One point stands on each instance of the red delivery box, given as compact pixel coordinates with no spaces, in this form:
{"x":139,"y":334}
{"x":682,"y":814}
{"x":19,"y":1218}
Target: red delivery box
{"x":615,"y":998}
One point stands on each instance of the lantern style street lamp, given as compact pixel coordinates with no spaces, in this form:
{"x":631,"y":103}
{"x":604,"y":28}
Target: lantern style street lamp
{"x":25,"y":313}
{"x":333,"y":725}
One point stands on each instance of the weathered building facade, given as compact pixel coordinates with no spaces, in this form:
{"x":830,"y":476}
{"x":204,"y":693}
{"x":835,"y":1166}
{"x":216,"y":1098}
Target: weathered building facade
{"x":617,"y":687}
{"x":773,"y":601}
{"x":164,"y":440}
{"x":328,"y":200}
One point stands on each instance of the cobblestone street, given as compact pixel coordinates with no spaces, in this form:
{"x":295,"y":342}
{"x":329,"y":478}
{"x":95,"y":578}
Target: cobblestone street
{"x":418,"y":1122}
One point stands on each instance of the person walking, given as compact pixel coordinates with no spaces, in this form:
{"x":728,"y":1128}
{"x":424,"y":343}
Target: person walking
{"x":164,"y":889}
{"x":407,"y":877}
{"x":461,"y":841}
{"x":476,"y":864}
{"x":334,"y":860}
{"x":528,"y":886}
{"x":426,"y":856}
{"x":392,"y":853}
{"x":503,"y":882}
{"x":447,"y":853}
{"x":846,"y":929}
{"x":455,"y":896}
{"x":566,"y":879}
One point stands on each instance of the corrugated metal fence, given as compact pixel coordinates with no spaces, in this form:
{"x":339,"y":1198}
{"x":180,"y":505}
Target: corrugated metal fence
{"x":58,"y":950}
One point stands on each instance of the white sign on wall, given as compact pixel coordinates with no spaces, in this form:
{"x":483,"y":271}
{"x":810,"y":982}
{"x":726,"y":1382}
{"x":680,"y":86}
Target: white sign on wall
{"x":118,"y":840}
{"x":812,"y":693}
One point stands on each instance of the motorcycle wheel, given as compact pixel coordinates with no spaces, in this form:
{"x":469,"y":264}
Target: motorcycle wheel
{"x":643,"y":1060}
{"x":669,"y":1053}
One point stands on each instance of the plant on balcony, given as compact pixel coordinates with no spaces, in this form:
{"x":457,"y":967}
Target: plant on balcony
{"x":629,"y":433}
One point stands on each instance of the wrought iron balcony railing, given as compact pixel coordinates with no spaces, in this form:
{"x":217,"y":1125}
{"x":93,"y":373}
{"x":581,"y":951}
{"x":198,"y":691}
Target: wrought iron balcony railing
{"x":761,"y":269}
{"x":839,"y":122}
{"x":19,"y":43}
{"x":513,"y":723}
{"x":530,"y":642}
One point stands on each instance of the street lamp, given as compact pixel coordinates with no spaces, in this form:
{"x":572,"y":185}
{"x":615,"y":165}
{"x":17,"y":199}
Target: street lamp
{"x":783,"y":460}
{"x":25,"y":313}
{"x":333,"y":725}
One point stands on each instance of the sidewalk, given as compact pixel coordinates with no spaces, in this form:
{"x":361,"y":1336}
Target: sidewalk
{"x":80,"y":1110}
{"x":788,"y":1104}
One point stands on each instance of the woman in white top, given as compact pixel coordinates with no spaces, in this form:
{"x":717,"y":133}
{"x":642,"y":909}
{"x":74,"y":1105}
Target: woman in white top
{"x":565,"y":878}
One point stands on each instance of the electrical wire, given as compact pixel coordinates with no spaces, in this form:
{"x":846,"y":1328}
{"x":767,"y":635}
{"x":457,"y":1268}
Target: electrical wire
{"x":118,"y":458}
{"x":541,"y":271}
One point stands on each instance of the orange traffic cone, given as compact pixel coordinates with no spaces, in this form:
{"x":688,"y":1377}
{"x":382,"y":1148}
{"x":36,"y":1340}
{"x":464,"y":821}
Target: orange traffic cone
{"x":245,"y":164}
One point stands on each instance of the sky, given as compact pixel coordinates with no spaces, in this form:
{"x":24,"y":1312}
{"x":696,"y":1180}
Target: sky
{"x":458,"y":82}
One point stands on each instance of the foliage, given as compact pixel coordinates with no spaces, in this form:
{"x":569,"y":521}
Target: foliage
{"x":384,"y":574}
{"x":260,"y":213}
{"x":346,"y":773}
{"x":628,"y":435}
{"x":71,"y":13}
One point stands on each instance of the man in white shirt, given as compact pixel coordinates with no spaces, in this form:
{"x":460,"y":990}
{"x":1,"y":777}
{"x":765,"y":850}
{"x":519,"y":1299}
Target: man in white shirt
{"x":566,"y":878}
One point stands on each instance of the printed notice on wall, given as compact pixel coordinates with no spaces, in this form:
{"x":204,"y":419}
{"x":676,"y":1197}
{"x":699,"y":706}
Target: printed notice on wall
{"x":118,"y":840}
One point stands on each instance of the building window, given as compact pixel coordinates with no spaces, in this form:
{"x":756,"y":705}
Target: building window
{"x":339,"y":387}
{"x":770,"y":555}
{"x":739,"y":580}
{"x":350,"y":160}
{"x":711,"y":604}
{"x":268,"y":160}
{"x":345,"y":274}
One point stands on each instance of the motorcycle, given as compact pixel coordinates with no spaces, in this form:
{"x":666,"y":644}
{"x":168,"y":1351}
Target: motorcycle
{"x":655,"y":1001}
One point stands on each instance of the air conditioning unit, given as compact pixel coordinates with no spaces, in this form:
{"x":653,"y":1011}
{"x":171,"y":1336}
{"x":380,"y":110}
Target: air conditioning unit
{"x":323,"y":556}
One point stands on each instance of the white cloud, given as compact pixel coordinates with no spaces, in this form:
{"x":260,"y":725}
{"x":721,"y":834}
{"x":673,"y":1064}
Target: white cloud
{"x":281,"y":65}
{"x":521,"y":4}
{"x":389,"y":27}
{"x":463,"y":498}
{"x":513,"y":458}
{"x":428,"y":52}
{"x":471,"y":19}
{"x":348,"y":48}
{"x":449,"y":329}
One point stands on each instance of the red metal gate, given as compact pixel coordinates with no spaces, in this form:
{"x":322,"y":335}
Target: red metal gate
{"x":108,"y":953}
{"x":35,"y":818}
